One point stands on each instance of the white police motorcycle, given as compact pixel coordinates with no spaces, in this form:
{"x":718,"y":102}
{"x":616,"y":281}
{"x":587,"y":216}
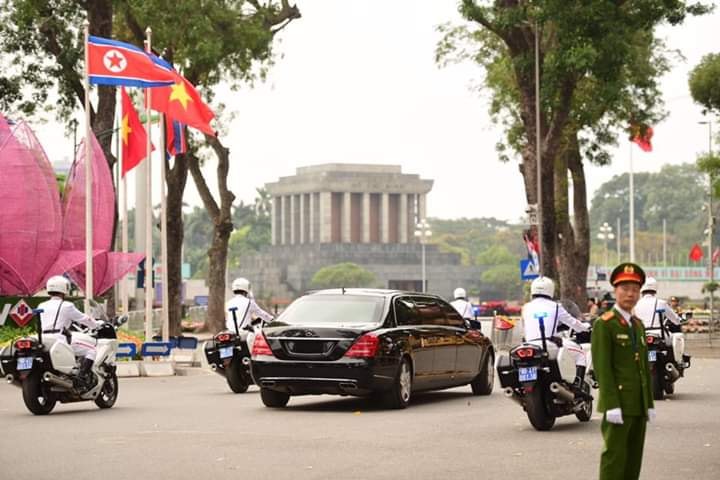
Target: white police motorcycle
{"x":541,"y":380}
{"x":666,"y":355}
{"x":47,"y":370}
{"x":229,"y":353}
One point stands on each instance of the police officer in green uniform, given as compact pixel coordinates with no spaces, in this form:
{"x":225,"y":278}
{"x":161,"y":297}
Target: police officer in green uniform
{"x":620,"y":361}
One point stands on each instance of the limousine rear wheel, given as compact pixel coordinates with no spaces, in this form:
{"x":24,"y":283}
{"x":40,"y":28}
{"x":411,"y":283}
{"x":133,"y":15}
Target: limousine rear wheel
{"x":485,"y":381}
{"x":274,"y":399}
{"x":399,"y":395}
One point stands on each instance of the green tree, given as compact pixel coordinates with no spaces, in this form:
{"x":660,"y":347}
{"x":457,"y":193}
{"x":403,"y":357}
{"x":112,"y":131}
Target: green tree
{"x":212,"y":41}
{"x":506,"y":279}
{"x":597,"y":68}
{"x":346,"y":275}
{"x":675,"y":194}
{"x":705,"y":83}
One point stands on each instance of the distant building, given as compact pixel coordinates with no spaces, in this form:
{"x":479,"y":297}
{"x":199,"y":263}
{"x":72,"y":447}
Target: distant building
{"x":365,"y":214}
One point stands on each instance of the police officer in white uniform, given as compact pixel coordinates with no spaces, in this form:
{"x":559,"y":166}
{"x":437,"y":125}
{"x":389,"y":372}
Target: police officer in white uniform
{"x":247,"y":309}
{"x":543,"y":307}
{"x":56,"y":318}
{"x":463,"y":307}
{"x":649,"y":305}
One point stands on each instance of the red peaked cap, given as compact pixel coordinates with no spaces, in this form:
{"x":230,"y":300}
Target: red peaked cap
{"x":627,"y":272}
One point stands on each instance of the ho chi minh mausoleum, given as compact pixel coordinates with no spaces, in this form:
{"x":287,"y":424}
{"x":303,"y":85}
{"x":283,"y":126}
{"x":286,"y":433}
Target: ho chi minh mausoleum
{"x":365,"y":214}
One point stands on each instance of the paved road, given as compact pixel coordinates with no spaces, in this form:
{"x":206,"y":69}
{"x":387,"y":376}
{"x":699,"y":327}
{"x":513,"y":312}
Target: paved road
{"x":194,"y":428}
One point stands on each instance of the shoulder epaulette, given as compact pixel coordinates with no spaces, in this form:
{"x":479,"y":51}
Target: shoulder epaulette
{"x":607,"y":315}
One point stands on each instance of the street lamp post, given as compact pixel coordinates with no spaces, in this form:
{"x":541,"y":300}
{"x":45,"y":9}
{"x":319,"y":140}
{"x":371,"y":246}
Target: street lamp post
{"x":423,"y":233}
{"x":606,"y":233}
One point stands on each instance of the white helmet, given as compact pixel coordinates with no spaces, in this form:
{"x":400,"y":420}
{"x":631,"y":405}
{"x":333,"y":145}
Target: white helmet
{"x":58,"y":284}
{"x":460,"y":293}
{"x":542,"y":286}
{"x":650,"y":285}
{"x":242,"y":284}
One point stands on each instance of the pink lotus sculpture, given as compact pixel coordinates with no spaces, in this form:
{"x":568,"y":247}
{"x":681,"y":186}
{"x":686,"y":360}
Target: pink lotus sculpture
{"x":39,"y":237}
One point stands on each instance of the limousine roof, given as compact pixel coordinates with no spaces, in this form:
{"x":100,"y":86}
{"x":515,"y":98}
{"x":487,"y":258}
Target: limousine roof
{"x":381,"y":292}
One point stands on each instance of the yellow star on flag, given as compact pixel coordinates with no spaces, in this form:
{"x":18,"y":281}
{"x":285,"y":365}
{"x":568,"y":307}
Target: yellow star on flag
{"x":180,"y":94}
{"x":125,"y":129}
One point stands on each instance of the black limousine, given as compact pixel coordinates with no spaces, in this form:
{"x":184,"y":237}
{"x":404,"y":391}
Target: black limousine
{"x":365,"y":342}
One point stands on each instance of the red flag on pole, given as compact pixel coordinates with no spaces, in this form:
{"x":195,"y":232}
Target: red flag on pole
{"x":642,"y":136}
{"x":182,"y":103}
{"x":133,"y":135}
{"x":696,"y":253}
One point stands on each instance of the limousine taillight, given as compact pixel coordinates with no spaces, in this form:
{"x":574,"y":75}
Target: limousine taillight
{"x":364,"y":347}
{"x":260,"y":346}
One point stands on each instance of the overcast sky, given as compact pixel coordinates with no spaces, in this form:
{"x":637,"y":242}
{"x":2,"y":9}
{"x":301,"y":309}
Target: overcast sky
{"x":356,"y":82}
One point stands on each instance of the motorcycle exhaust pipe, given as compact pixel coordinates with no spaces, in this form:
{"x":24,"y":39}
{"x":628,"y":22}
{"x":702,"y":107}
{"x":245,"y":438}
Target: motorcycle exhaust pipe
{"x":672,"y":371}
{"x":246,"y":361}
{"x":562,"y":392}
{"x":9,"y":377}
{"x":510,"y":393}
{"x":57,"y":381}
{"x":213,"y":367}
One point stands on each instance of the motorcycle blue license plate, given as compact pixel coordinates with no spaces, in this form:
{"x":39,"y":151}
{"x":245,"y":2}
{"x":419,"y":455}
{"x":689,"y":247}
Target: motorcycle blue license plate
{"x":652,"y":355}
{"x":226,"y":352}
{"x":24,"y":363}
{"x":527,"y":374}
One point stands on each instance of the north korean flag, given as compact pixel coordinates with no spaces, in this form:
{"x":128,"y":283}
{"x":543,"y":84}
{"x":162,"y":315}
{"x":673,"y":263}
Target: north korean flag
{"x":116,"y":63}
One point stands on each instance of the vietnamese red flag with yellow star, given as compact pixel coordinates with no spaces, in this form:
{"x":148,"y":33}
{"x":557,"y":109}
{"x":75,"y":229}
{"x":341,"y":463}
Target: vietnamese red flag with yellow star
{"x":134,"y":138}
{"x":181,"y":102}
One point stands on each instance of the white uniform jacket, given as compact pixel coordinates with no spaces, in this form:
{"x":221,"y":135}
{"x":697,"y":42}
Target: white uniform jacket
{"x":647,"y":307}
{"x":552,"y":314}
{"x":247,"y":310}
{"x":464,"y":308}
{"x":59,"y":314}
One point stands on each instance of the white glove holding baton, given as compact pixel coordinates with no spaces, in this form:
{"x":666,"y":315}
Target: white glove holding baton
{"x":615,"y":416}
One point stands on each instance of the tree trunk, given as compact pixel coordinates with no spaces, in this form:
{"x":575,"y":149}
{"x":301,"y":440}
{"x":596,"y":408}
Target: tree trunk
{"x":574,"y":238}
{"x":176,"y":180}
{"x":100,"y":16}
{"x":222,"y":228}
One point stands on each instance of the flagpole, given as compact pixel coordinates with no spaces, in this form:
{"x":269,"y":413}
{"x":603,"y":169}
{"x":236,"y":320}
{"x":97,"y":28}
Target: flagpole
{"x":632,"y":208}
{"x":125,"y":287}
{"x":148,"y":210}
{"x":88,"y":180}
{"x":163,"y":235}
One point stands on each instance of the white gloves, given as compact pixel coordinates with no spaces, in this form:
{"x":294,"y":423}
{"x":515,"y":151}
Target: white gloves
{"x":651,"y":415}
{"x":615,"y":416}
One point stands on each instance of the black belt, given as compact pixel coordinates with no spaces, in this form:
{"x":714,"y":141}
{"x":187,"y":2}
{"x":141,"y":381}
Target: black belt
{"x":52,"y":331}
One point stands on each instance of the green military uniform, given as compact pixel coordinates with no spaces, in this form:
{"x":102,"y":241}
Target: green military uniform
{"x":620,"y":362}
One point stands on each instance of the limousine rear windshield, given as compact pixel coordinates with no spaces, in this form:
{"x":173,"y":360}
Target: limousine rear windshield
{"x":345,"y":310}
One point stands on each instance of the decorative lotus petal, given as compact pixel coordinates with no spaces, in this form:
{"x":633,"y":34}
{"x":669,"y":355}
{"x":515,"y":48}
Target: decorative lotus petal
{"x":30,"y":216}
{"x":39,"y":238}
{"x":103,"y":202}
{"x":108,"y":268}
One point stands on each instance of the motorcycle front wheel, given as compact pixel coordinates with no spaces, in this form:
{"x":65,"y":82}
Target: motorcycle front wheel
{"x":537,"y":411}
{"x":37,"y":395}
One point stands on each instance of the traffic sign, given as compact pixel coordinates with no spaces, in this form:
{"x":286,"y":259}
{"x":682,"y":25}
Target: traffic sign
{"x":156,"y":349}
{"x":528,"y":270}
{"x":126,"y":350}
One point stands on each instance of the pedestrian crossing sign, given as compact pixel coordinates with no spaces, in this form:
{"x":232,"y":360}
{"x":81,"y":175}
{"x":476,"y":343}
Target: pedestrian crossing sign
{"x":528,"y":271}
